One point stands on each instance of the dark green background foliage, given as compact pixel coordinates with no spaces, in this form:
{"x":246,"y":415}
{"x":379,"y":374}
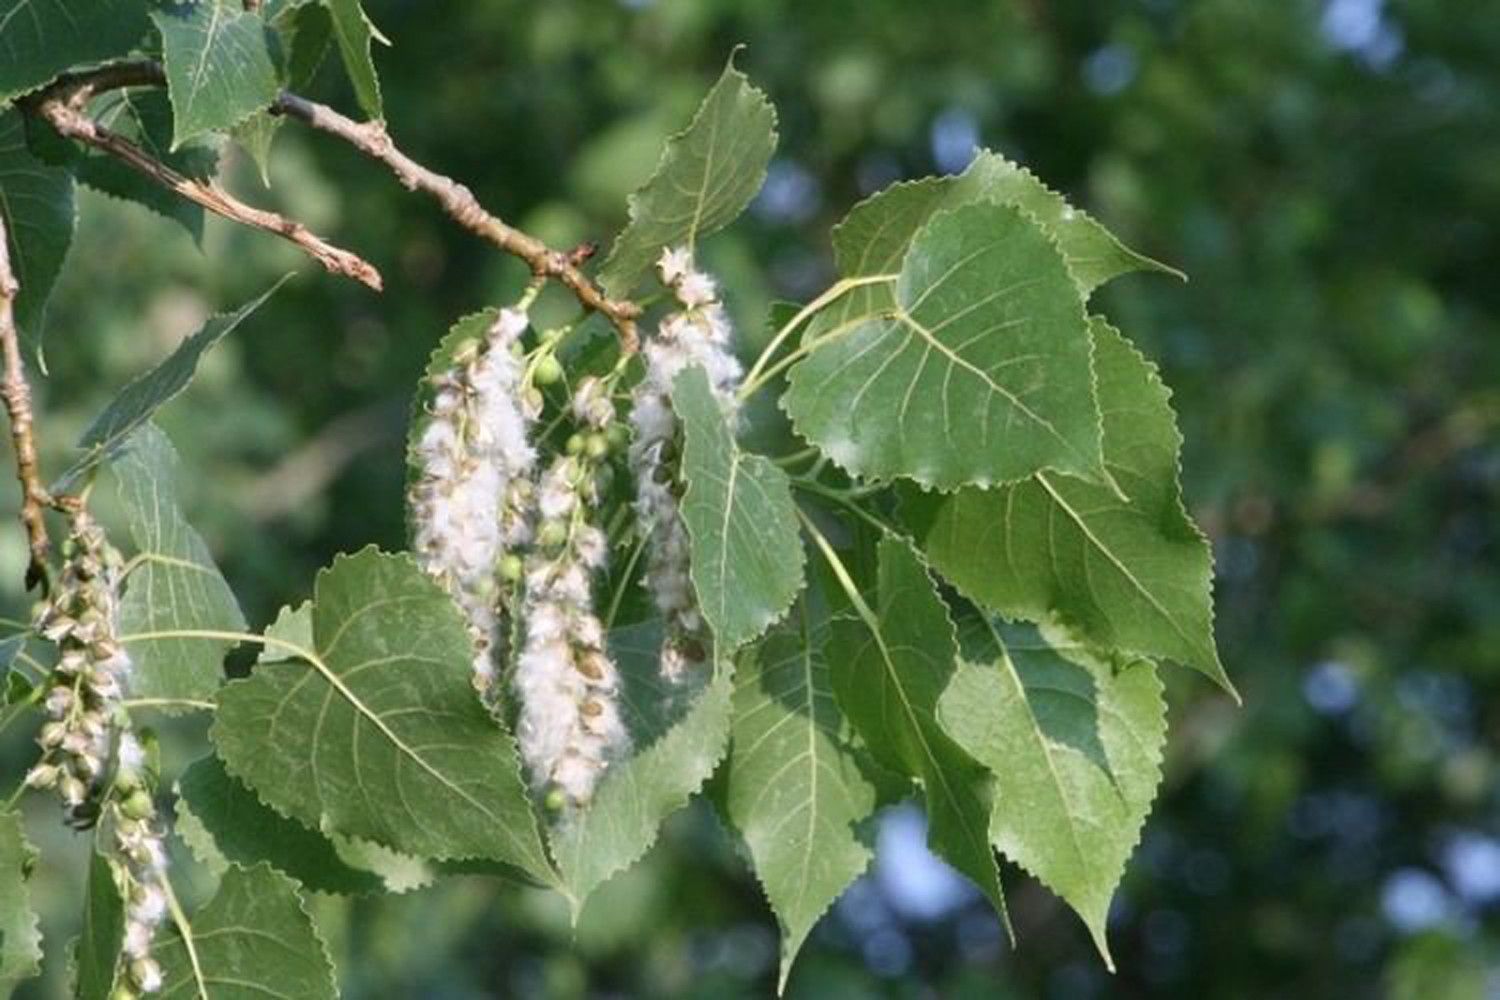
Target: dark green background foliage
{"x":1329,"y":176}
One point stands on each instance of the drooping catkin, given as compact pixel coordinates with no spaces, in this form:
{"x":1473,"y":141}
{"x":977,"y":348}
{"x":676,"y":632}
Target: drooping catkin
{"x":698,"y":333}
{"x":89,"y":753}
{"x":471,"y":497}
{"x":570,"y":727}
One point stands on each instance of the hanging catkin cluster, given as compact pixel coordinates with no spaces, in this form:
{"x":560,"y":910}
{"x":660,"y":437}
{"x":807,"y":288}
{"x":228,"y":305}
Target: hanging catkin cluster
{"x":471,"y":496}
{"x":698,"y":333}
{"x":89,"y":729}
{"x":570,"y":726}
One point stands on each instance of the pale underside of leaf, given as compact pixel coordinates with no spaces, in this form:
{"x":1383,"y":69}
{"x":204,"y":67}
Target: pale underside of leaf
{"x":1075,"y":745}
{"x":20,"y":932}
{"x":376,"y":732}
{"x":173,"y":583}
{"x":793,"y":787}
{"x":254,"y":939}
{"x":747,"y":559}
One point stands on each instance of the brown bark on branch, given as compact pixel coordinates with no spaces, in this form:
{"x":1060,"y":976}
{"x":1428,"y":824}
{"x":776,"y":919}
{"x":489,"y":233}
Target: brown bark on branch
{"x":73,"y":90}
{"x":61,"y":105}
{"x":16,"y":393}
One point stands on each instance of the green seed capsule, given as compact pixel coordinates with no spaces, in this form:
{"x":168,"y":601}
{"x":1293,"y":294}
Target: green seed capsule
{"x":122,"y":992}
{"x":548,"y":371}
{"x":553,"y":534}
{"x":534,"y":399}
{"x":617,"y":435}
{"x":575,"y":444}
{"x":137,"y":805}
{"x":555,"y":799}
{"x":596,"y":446}
{"x":511,"y":568}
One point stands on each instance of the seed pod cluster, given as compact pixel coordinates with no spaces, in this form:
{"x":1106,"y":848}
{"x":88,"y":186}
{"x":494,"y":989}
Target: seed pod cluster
{"x":89,"y":753}
{"x":570,"y":726}
{"x":698,"y":333}
{"x":472,"y":495}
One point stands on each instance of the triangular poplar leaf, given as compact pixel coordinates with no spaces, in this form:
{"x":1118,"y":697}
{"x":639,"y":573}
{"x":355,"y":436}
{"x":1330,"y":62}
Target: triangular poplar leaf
{"x":1093,"y":253}
{"x":140,"y":399}
{"x":678,"y":733}
{"x":255,"y":135}
{"x":40,"y":40}
{"x":707,"y":175}
{"x":224,"y":823}
{"x":254,"y":939}
{"x":1075,"y":746}
{"x":173,"y":584}
{"x":304,"y":32}
{"x":981,"y":373}
{"x":875,"y":235}
{"x":354,"y":31}
{"x":888,"y":676}
{"x":792,"y":786}
{"x":218,"y":65}
{"x":96,"y":956}
{"x":747,"y":558}
{"x":376,"y":730}
{"x":36,"y":201}
{"x":145,"y":118}
{"x":1132,"y":575}
{"x":20,"y":935}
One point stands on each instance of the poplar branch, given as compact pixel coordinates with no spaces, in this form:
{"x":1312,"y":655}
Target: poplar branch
{"x":16,"y":393}
{"x":61,"y":106}
{"x":72,"y":90}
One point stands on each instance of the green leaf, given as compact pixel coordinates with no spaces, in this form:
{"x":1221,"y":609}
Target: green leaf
{"x":877,"y":232}
{"x":218,"y":65}
{"x":304,"y":32}
{"x":678,"y":735}
{"x":41,"y":38}
{"x":376,"y":731}
{"x":145,"y":118}
{"x":174,"y":584}
{"x":354,"y":32}
{"x":1130,"y":575}
{"x":135,"y":404}
{"x":980,"y":375}
{"x":1075,"y":746}
{"x":98,"y":948}
{"x":36,"y":201}
{"x":793,"y":786}
{"x":707,"y":175}
{"x":1093,"y":253}
{"x":253,"y":940}
{"x":747,"y":560}
{"x":20,"y":936}
{"x":888,"y":674}
{"x":224,"y":823}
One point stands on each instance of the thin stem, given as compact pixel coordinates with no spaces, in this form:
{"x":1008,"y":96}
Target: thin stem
{"x":845,"y":500}
{"x":207,"y":706}
{"x":16,"y":393}
{"x":62,"y":109}
{"x":185,"y":929}
{"x":841,"y":573}
{"x":786,"y":461}
{"x":749,"y":387}
{"x":618,"y":597}
{"x":831,"y":295}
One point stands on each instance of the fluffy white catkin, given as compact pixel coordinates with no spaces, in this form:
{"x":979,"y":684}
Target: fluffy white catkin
{"x":471,"y":497}
{"x":570,"y":727}
{"x":698,"y":333}
{"x":88,"y":724}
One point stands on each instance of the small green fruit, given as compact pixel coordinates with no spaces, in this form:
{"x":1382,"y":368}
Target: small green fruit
{"x":553,"y":534}
{"x":596,"y":446}
{"x":137,"y":805}
{"x":548,"y":371}
{"x":575,"y":444}
{"x":511,"y":568}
